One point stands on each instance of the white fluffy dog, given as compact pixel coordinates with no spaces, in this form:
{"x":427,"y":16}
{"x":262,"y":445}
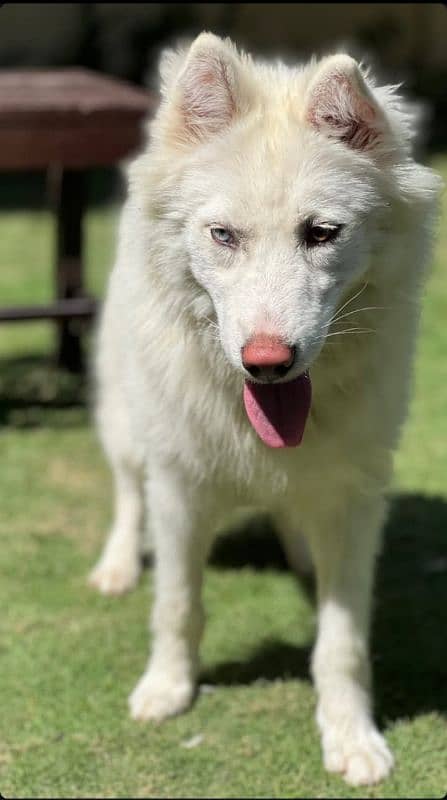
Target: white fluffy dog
{"x":255,"y":348}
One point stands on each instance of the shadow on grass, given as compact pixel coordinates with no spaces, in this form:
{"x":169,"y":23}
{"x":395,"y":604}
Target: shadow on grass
{"x":252,"y":544}
{"x":35,"y":392}
{"x":409,"y":645}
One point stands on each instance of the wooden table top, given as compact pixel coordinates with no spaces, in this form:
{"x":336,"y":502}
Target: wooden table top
{"x":70,"y":116}
{"x":68,"y":96}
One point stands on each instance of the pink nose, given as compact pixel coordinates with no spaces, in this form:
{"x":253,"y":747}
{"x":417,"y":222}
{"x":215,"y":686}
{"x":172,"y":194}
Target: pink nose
{"x":267,"y":356}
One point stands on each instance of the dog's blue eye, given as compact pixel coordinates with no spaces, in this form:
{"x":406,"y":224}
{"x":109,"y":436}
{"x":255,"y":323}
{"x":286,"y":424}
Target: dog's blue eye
{"x":223,"y":236}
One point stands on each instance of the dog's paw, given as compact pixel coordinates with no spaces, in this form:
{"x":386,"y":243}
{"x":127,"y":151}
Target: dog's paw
{"x":362,"y":759}
{"x":111,"y":577}
{"x":156,"y":697}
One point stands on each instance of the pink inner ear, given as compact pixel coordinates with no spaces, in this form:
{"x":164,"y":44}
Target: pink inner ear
{"x":337,"y":109}
{"x":207,"y":101}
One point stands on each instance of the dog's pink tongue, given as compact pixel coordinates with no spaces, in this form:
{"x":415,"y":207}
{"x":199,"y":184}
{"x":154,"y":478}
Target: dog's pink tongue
{"x":278,"y":411}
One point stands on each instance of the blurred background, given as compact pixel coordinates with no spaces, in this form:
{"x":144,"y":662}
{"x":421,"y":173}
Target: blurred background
{"x":403,"y":42}
{"x":406,"y":41}
{"x":69,"y":657}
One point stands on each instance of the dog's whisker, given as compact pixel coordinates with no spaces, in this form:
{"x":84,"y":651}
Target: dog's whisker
{"x":357,"y":311}
{"x":351,"y":330}
{"x":350,"y":300}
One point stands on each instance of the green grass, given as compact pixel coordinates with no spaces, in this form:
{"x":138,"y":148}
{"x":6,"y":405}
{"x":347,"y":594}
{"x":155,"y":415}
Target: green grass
{"x":69,"y":658}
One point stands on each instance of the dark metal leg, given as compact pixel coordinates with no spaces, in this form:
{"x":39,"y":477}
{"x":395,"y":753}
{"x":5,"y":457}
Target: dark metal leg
{"x":68,"y":188}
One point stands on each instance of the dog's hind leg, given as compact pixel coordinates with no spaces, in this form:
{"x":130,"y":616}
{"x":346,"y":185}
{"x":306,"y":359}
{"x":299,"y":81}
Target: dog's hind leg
{"x":180,"y":526}
{"x":345,"y":537}
{"x":119,"y":566}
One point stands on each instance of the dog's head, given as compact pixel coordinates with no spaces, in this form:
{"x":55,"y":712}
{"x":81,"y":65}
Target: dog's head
{"x":276,"y":183}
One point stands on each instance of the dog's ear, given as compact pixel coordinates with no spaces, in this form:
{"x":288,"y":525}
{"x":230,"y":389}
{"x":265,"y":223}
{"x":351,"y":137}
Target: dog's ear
{"x":201,"y":88}
{"x":341,"y":105}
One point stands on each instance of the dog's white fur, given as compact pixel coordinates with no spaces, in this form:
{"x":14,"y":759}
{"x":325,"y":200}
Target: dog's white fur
{"x":261,"y":148}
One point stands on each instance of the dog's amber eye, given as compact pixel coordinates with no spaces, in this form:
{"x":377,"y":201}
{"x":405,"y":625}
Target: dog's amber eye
{"x":320,"y":234}
{"x":223,"y":236}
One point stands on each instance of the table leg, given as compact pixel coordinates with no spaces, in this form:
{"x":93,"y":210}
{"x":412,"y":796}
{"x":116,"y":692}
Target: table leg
{"x":69,"y":191}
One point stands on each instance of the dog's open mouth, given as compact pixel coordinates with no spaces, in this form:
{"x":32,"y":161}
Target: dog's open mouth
{"x":278,"y":411}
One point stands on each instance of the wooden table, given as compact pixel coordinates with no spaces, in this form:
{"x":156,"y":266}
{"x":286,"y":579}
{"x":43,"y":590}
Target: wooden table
{"x":67,"y":121}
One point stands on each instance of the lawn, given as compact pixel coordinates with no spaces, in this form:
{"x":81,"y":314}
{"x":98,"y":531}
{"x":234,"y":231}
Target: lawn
{"x":69,"y":657}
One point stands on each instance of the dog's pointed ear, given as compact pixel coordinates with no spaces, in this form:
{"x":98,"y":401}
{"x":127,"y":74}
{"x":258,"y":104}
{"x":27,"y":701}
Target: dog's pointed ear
{"x":341,"y":105}
{"x":204,"y":93}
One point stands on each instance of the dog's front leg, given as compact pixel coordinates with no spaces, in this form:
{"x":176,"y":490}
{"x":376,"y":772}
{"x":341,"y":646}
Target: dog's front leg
{"x":344,"y":544}
{"x":180,"y":547}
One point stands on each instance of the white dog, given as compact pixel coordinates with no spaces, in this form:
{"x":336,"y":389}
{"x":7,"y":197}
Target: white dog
{"x":255,"y":348}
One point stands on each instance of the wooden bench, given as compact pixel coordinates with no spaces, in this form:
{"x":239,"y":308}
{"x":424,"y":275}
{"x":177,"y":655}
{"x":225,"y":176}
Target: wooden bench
{"x":67,"y":121}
